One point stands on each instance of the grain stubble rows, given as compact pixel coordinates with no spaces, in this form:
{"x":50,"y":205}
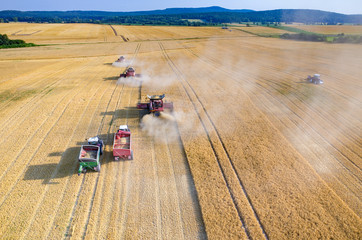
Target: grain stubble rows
{"x":257,"y":153}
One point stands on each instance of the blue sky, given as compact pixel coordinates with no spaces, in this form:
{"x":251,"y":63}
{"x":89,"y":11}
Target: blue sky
{"x":346,"y":6}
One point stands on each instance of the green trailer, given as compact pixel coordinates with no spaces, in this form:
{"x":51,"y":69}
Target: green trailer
{"x":89,"y":156}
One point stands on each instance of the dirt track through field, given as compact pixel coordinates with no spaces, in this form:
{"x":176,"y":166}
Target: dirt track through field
{"x":251,"y":150}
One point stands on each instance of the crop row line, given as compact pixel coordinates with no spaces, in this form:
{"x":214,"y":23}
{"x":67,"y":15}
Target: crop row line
{"x":233,"y":197}
{"x":298,"y":116}
{"x":98,"y":132}
{"x":37,"y":150}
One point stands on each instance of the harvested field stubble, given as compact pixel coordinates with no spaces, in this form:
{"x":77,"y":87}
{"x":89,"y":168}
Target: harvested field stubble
{"x":252,"y":151}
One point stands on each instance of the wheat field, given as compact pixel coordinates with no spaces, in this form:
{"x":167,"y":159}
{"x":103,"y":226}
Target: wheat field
{"x":251,"y":150}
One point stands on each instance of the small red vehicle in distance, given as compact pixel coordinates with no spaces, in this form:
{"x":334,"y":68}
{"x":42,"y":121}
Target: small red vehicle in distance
{"x":156,"y":104}
{"x":130,"y":72}
{"x":122,"y":144}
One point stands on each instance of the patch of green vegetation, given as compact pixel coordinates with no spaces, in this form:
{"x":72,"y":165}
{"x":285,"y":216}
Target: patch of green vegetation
{"x":290,"y":29}
{"x":341,"y":38}
{"x":16,"y":95}
{"x":5,"y":95}
{"x":313,"y":37}
{"x":5,"y":42}
{"x":258,"y":34}
{"x":48,"y":91}
{"x":19,"y":45}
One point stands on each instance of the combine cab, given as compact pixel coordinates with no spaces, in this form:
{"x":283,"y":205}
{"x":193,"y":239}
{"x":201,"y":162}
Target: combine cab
{"x":122,"y":144}
{"x":130,"y":72}
{"x":120,"y":59}
{"x":315,"y":79}
{"x":156,"y":104}
{"x":89,"y":155}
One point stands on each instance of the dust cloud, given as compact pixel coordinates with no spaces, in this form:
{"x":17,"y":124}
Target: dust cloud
{"x":162,"y":128}
{"x":123,"y":64}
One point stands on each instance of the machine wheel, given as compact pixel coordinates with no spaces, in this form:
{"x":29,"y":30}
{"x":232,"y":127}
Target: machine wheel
{"x":116,"y":158}
{"x":130,"y":157}
{"x":98,"y":168}
{"x":157,"y":114}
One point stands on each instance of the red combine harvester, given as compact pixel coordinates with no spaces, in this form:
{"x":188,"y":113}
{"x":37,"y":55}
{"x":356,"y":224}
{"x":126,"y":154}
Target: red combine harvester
{"x":156,"y":104}
{"x":130,"y":72}
{"x":120,"y":59}
{"x":122,"y":144}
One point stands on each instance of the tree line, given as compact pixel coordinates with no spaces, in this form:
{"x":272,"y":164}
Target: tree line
{"x":208,"y":18}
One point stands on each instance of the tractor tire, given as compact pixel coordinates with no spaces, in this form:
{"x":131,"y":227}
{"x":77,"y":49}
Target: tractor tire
{"x":130,"y":157}
{"x":98,"y":168}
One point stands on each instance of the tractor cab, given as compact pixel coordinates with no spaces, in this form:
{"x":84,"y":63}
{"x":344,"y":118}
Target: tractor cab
{"x":120,"y":59}
{"x":156,"y":102}
{"x":316,"y":79}
{"x":130,"y":72}
{"x":123,"y":128}
{"x":96,"y":142}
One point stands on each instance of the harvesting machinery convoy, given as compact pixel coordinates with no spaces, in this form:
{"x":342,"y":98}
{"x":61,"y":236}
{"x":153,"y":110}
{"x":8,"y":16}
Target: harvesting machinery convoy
{"x":89,"y":155}
{"x":130,"y":72}
{"x":315,"y":79}
{"x":120,"y":59}
{"x":156,"y":104}
{"x":122,"y":144}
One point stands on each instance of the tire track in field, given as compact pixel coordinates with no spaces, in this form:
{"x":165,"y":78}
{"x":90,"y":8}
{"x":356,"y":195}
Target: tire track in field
{"x":326,"y":133}
{"x":269,"y":82}
{"x":187,"y":226}
{"x":14,"y":118}
{"x":70,"y":223}
{"x":103,"y":183}
{"x":61,"y":197}
{"x":68,"y":234}
{"x":271,"y":96}
{"x":326,"y":116}
{"x":124,"y":177}
{"x":108,"y":134}
{"x":262,"y":88}
{"x":25,"y":118}
{"x":30,"y":86}
{"x":75,"y":165}
{"x":222,"y":168}
{"x":114,"y":30}
{"x":47,"y":134}
{"x":39,"y":145}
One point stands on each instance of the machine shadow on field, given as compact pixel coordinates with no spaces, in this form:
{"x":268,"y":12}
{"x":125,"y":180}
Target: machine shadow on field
{"x":125,"y":113}
{"x":67,"y":166}
{"x":111,"y":78}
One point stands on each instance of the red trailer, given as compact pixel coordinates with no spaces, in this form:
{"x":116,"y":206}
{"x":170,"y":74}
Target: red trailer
{"x":130,"y":72}
{"x":156,"y":104}
{"x":122,"y":143}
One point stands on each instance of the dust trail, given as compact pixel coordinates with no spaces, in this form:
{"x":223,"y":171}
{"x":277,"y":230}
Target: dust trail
{"x":125,"y":63}
{"x":131,"y":81}
{"x":162,"y":128}
{"x":154,"y":77}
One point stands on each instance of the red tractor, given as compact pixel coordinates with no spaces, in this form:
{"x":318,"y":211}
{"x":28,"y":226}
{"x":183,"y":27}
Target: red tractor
{"x":156,"y":104}
{"x":130,"y":72}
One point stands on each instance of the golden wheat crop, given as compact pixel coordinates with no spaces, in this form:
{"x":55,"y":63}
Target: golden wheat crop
{"x":251,"y":150}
